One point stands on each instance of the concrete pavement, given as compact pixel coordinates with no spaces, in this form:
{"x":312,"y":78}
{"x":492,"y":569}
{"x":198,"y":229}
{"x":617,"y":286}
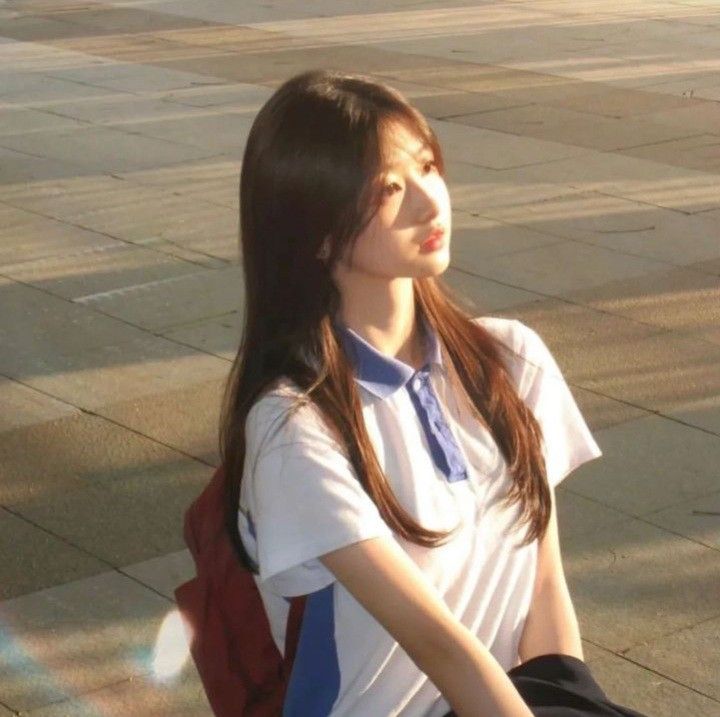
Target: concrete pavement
{"x":582,"y":145}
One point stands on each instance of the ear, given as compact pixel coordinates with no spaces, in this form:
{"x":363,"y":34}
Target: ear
{"x":324,"y":251}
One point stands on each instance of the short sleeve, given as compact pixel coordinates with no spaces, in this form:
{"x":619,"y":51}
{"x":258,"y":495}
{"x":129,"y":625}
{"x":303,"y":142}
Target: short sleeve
{"x":302,"y":495}
{"x":568,"y":442}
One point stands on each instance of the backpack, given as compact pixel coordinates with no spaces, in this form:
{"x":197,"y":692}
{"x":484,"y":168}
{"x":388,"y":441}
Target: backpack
{"x":241,"y":669}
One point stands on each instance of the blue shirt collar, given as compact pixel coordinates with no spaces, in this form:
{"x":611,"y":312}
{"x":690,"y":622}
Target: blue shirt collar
{"x":380,"y":374}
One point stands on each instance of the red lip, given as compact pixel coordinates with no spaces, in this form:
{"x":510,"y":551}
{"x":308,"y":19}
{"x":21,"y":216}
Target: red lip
{"x":435,"y":234}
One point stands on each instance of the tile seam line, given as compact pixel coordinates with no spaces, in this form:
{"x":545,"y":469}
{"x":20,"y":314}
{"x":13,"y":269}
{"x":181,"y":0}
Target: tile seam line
{"x":660,"y":329}
{"x":652,"y":411}
{"x":91,"y":125}
{"x":119,"y":246}
{"x":107,"y":419}
{"x":532,"y":227}
{"x":94,"y":249}
{"x":79,"y":548}
{"x":250,"y":26}
{"x":611,"y":150}
{"x":157,"y":333}
{"x":650,"y":669}
{"x":552,"y":241}
{"x":659,"y":206}
{"x":643,"y":519}
{"x":190,"y":324}
{"x":81,"y":167}
{"x":72,"y":698}
{"x":129,"y":243}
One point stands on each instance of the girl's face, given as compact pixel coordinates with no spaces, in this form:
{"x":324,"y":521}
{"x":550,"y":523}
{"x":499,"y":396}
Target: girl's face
{"x":415,"y":202}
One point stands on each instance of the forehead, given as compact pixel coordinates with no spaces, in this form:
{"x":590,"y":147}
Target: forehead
{"x":401,"y":146}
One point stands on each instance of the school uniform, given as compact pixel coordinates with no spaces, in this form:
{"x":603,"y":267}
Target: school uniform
{"x":300,"y":499}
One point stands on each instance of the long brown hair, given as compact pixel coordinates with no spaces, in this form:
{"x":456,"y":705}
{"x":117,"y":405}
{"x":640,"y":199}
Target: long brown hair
{"x":312,"y":169}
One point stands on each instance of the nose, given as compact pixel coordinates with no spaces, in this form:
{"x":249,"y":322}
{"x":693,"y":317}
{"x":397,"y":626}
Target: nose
{"x":427,"y":200}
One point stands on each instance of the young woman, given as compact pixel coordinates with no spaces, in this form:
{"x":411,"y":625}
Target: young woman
{"x":391,"y":457}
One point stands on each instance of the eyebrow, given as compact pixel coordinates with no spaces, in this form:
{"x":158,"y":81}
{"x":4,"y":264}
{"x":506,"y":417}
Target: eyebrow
{"x":424,"y":150}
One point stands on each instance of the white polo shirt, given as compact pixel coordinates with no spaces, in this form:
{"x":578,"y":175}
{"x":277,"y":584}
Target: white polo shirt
{"x":300,"y":499}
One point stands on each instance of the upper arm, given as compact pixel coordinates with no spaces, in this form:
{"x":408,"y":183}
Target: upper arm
{"x":549,"y":561}
{"x":385,"y":580}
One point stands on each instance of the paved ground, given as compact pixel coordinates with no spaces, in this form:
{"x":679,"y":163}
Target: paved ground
{"x":583,"y":141}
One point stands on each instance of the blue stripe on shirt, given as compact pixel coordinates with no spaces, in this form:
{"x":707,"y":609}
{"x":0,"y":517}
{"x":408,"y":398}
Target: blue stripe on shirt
{"x":315,"y":679}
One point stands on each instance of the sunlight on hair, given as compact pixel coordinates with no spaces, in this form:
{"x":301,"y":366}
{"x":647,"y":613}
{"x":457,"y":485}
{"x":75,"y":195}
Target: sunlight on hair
{"x":172,"y":647}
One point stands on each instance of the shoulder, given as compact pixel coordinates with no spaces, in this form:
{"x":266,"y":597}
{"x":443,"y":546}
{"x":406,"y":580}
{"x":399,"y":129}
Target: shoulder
{"x":518,"y":337}
{"x":284,"y":415}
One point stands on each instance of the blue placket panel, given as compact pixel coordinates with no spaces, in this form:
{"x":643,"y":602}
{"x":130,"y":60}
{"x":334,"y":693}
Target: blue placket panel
{"x":445,"y":451}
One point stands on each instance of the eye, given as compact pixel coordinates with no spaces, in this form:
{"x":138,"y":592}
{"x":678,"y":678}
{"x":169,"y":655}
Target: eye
{"x":431,"y":163}
{"x":388,"y":189}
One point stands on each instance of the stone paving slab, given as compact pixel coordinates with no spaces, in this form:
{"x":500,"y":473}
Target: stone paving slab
{"x":57,"y":326}
{"x":38,"y":559}
{"x":219,"y":336}
{"x":26,"y":407}
{"x":584,"y":265}
{"x":256,"y":66}
{"x":120,"y":110}
{"x":660,"y":695}
{"x":123,"y":520}
{"x":650,"y":464}
{"x":678,"y":298}
{"x":143,"y":49}
{"x":133,"y":77}
{"x":146,"y":368}
{"x":116,"y":267}
{"x":621,"y":577}
{"x":648,"y":182}
{"x":482,"y":295}
{"x":700,"y":151}
{"x":602,"y":411}
{"x":477,"y":238}
{"x":20,"y":168}
{"x":703,"y":413}
{"x":618,"y":224}
{"x":30,"y":236}
{"x":178,"y":698}
{"x":655,"y":107}
{"x":96,"y":16}
{"x":475,"y":190}
{"x":699,"y":674}
{"x":194,"y":410}
{"x":212,"y":183}
{"x":27,"y":89}
{"x":700,"y":115}
{"x":79,"y":451}
{"x":101,"y":149}
{"x":578,"y":515}
{"x":165,"y":573}
{"x":126,"y":210}
{"x":575,"y":128}
{"x":236,"y":96}
{"x":639,"y":301}
{"x":179,"y":299}
{"x":496,"y":150}
{"x":649,"y":367}
{"x":696,"y":519}
{"x":218,"y":132}
{"x":77,"y":637}
{"x":20,"y":121}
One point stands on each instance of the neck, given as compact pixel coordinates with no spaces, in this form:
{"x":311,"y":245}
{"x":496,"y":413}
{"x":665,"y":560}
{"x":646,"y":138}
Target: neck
{"x":384,"y":314}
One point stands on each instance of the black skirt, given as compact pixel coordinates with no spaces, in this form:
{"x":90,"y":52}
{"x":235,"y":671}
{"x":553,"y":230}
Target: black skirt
{"x":557,"y":685}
